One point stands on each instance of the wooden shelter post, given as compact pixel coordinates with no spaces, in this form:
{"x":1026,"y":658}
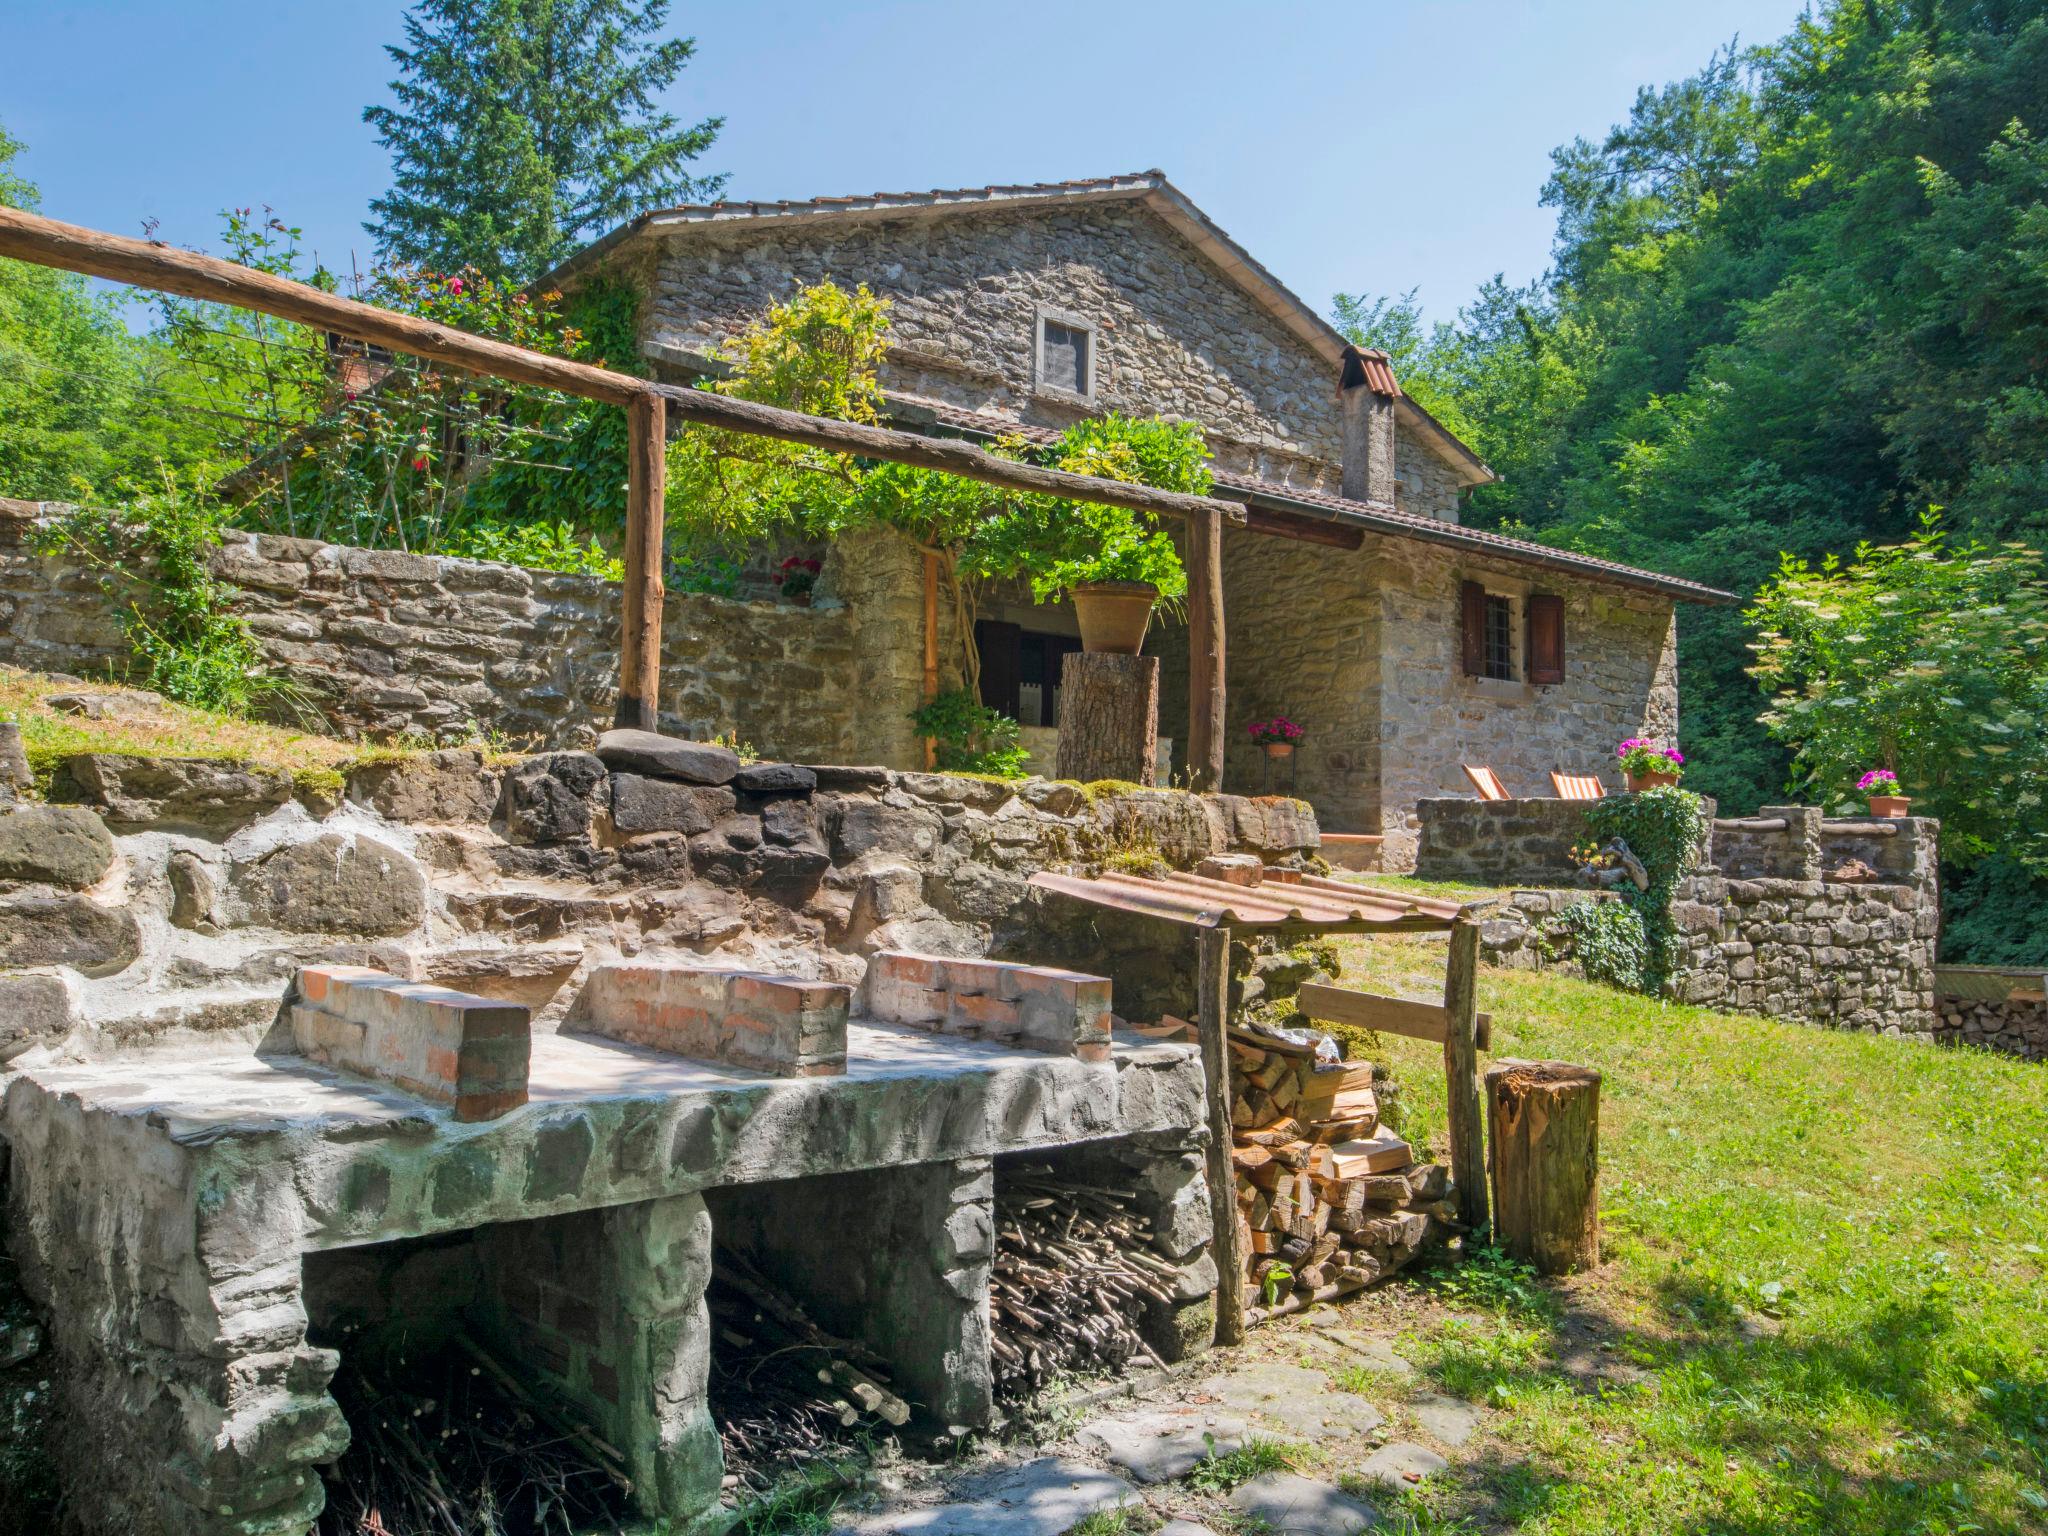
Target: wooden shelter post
{"x":1461,"y":1071}
{"x":1212,"y":1022}
{"x":640,"y":623}
{"x":1206,"y":701}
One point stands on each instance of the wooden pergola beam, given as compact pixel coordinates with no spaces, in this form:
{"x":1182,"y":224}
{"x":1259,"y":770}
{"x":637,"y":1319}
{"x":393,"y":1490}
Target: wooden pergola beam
{"x":152,"y":264}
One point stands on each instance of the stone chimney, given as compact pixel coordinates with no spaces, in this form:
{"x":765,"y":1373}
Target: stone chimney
{"x":1366,"y":392}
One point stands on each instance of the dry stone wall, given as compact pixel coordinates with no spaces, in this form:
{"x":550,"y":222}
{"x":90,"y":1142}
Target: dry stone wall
{"x":1790,"y":916}
{"x":389,"y":643}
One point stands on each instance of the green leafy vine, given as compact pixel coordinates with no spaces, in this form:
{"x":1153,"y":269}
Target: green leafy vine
{"x":1664,"y":828}
{"x":969,"y":737}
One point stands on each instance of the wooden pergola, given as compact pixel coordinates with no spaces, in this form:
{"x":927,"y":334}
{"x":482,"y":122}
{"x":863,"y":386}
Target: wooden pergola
{"x":649,"y":405}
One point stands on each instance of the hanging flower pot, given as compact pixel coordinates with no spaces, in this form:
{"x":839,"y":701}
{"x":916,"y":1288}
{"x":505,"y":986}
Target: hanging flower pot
{"x":1114,"y":615}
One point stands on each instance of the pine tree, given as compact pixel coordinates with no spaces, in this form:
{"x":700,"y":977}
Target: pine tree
{"x":522,"y":128}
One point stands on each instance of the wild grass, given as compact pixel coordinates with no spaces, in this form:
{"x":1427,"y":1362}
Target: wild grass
{"x":1824,"y":1252}
{"x":1220,"y":1474}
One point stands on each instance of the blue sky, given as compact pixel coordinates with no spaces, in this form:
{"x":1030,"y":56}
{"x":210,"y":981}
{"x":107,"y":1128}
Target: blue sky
{"x":1360,"y":146}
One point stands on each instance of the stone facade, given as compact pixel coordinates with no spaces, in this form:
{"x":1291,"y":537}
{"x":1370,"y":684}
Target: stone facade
{"x":1362,"y":648}
{"x":2015,"y":1026}
{"x":1174,"y":336}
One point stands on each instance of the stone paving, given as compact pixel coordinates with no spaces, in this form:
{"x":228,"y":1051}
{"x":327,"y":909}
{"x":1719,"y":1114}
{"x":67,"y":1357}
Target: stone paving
{"x":1348,"y":1470}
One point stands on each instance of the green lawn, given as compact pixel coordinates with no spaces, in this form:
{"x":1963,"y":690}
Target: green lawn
{"x":1825,"y":1252}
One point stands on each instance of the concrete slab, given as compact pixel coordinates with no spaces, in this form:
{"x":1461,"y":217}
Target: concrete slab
{"x":1402,"y":1463}
{"x":1037,"y":1498}
{"x":1451,"y":1419}
{"x":1159,"y":1447}
{"x":1371,"y":1351}
{"x":1183,"y":1528}
{"x":1299,"y":1399}
{"x":1301,"y":1506}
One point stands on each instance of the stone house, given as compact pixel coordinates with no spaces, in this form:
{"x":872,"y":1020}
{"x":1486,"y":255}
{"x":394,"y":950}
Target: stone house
{"x":1355,"y":603}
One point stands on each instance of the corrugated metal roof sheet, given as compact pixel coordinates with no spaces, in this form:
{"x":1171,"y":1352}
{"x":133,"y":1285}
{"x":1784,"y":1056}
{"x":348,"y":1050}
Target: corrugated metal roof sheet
{"x":1310,"y":903}
{"x":1374,"y":516}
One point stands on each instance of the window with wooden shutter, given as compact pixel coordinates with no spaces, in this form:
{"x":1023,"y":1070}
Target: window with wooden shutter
{"x":1473,"y":601}
{"x":1546,"y":638}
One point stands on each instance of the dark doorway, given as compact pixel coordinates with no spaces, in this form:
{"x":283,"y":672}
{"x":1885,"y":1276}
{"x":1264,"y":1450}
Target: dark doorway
{"x":1020,"y":670}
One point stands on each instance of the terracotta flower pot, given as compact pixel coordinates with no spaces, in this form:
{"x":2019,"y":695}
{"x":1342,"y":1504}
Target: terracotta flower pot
{"x":1278,"y":748}
{"x":1114,"y":615}
{"x":801,"y":599}
{"x":1638,"y":782}
{"x":1890,"y":806}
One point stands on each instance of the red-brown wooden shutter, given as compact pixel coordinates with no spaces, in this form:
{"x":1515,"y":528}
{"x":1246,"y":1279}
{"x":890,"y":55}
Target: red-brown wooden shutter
{"x":1546,"y":638}
{"x":1472,"y":597}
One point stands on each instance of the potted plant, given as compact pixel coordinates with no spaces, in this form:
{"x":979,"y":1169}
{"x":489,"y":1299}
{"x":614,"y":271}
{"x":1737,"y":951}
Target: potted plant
{"x":798,"y":577}
{"x":1275,"y":737}
{"x":1881,"y":785}
{"x":1649,"y":766}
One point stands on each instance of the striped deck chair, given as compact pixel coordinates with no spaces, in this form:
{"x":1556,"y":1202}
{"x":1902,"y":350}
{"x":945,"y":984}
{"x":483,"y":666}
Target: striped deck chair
{"x":1486,"y":781}
{"x":1576,"y":786}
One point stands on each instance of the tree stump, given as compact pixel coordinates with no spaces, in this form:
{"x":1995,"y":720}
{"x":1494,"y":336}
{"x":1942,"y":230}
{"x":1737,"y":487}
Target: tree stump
{"x":1109,"y":717}
{"x":1543,"y":1123}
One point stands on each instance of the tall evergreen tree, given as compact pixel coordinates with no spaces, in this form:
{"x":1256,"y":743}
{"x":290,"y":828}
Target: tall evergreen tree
{"x":522,"y":128}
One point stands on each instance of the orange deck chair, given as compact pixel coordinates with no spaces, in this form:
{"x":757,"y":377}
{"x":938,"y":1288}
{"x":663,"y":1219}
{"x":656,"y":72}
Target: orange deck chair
{"x":1576,"y":786}
{"x":1486,"y":781}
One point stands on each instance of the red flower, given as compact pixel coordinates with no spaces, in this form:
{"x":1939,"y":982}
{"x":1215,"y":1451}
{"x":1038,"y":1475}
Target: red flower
{"x":420,"y":462}
{"x":455,"y":285}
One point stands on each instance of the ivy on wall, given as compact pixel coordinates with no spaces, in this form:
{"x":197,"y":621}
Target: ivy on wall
{"x":1665,"y":828}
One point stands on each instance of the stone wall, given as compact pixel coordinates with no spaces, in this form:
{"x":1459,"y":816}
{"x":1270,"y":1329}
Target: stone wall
{"x":388,"y":643}
{"x":172,"y":901}
{"x":1833,"y":922}
{"x":2018,"y":1027}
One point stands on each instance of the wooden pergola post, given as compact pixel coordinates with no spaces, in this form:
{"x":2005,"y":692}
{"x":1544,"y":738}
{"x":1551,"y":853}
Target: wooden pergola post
{"x":1212,"y":1024}
{"x":640,"y":624}
{"x":1206,"y":699}
{"x":1461,"y":1072}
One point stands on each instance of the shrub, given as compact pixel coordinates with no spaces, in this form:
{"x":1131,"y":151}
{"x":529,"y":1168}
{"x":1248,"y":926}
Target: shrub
{"x":1606,"y":938}
{"x":537,"y":546}
{"x":969,"y":737}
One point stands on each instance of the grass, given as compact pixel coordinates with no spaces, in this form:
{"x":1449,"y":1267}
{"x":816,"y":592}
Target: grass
{"x":1220,"y":1474}
{"x":1824,"y":1251}
{"x":160,"y":728}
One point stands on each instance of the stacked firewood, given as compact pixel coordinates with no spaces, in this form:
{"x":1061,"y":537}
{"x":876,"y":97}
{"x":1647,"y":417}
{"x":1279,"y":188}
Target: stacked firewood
{"x":1074,"y":1270}
{"x":1327,"y":1199}
{"x":784,"y":1390}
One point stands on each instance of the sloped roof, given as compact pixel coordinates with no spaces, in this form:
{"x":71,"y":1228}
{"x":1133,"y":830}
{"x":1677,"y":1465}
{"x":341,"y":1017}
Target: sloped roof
{"x":1151,"y":188}
{"x":1370,"y":516}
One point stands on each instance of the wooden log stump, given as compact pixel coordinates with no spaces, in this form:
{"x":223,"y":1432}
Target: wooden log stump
{"x":1543,"y":1123}
{"x":1109,"y":717}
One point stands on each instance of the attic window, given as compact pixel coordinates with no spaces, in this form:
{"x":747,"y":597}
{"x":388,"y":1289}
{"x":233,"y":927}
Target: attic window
{"x":1066,"y":354}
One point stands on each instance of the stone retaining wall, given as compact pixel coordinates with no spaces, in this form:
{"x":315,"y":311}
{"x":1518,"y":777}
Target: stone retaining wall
{"x":388,"y":643}
{"x":1835,"y":924}
{"x":2017,"y":1028}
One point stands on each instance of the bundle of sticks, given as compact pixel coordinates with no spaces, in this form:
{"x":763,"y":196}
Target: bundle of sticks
{"x":1073,"y":1272}
{"x":452,"y":1444}
{"x":782,"y":1388}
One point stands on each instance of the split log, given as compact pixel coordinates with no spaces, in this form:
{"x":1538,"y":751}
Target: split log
{"x":1109,"y":717}
{"x":1543,"y":1118}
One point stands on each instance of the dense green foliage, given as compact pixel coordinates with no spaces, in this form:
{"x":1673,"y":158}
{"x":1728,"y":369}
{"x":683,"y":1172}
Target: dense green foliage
{"x":77,"y":392}
{"x":154,"y":555}
{"x":1926,"y":658}
{"x":1606,"y":938}
{"x":1664,"y":828}
{"x":520,"y":129}
{"x":969,"y":737}
{"x":1796,"y":299}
